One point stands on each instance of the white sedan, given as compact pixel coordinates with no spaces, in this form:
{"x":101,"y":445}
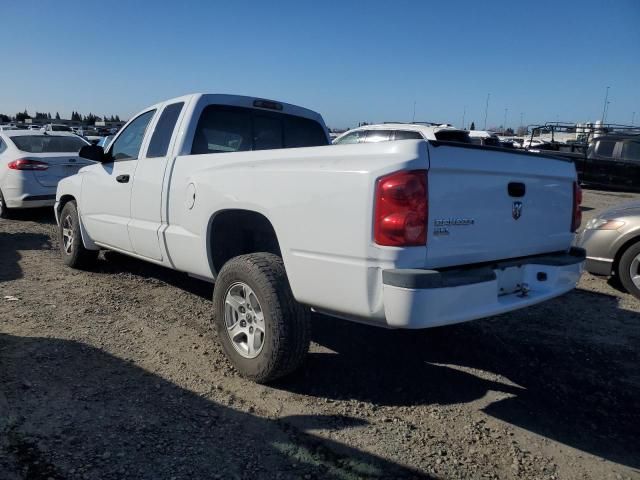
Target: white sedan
{"x":31,"y":165}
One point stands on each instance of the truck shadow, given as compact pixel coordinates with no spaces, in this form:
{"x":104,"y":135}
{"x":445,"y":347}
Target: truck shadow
{"x":42,"y":215}
{"x":10,"y":246}
{"x":70,"y":410}
{"x":571,"y":378}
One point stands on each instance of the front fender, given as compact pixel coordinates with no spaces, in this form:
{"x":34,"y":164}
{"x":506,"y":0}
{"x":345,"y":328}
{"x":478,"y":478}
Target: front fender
{"x":70,"y":188}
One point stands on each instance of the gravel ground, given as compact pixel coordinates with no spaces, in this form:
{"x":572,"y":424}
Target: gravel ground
{"x":116,"y":373}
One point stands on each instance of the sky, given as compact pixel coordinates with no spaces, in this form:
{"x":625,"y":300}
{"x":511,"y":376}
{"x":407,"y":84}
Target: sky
{"x":351,"y":61}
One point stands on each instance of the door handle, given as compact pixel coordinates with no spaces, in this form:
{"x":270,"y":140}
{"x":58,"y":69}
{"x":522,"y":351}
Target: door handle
{"x":122,"y":178}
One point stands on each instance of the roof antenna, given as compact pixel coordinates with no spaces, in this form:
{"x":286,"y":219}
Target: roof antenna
{"x":413,"y":120}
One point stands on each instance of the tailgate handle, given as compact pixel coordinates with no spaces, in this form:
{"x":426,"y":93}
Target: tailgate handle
{"x":516,"y":189}
{"x":122,"y":178}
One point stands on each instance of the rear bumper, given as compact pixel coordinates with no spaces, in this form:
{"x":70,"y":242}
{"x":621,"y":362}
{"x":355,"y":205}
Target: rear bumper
{"x":430,"y":298}
{"x":22,"y":190}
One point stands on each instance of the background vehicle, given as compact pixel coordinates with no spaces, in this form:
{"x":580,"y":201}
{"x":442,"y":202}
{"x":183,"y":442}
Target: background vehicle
{"x":32,"y":163}
{"x":410,"y":234}
{"x":56,"y":127}
{"x":605,"y":155}
{"x":613,"y":161}
{"x":385,"y":132}
{"x":612,"y":242}
{"x":484,"y":137}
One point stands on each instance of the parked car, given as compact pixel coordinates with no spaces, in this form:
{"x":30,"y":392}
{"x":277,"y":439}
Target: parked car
{"x":409,"y":234}
{"x":386,"y":132}
{"x":56,"y":127}
{"x":32,"y":163}
{"x":612,"y":242}
{"x":612,"y":161}
{"x":484,"y":137}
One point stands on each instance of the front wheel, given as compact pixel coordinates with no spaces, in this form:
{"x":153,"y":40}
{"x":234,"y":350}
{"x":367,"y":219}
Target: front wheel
{"x":262,"y":328}
{"x":74,"y":254}
{"x":629,"y":270}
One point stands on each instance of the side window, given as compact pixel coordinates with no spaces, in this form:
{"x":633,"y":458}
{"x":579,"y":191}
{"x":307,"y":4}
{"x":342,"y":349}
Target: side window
{"x":631,"y":151}
{"x":375,"y":136}
{"x":405,"y":135}
{"x":605,"y":148}
{"x":222,"y":129}
{"x":128,"y":144}
{"x":3,"y":147}
{"x":164,"y":129}
{"x":353,"y":137}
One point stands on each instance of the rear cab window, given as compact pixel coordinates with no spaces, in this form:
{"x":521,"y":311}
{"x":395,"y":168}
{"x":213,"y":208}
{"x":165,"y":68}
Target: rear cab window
{"x":407,"y":135}
{"x":224,"y":128}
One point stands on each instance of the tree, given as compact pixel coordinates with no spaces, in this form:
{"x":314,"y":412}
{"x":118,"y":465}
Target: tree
{"x":473,"y":126}
{"x":509,"y":131}
{"x":22,"y":116}
{"x":57,"y":116}
{"x":4,"y":118}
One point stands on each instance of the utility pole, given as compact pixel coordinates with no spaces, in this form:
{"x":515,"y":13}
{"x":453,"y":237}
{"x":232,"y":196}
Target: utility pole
{"x":486,"y":111}
{"x":464,"y":113}
{"x":604,"y":108}
{"x":504,"y":124}
{"x":414,"y":112}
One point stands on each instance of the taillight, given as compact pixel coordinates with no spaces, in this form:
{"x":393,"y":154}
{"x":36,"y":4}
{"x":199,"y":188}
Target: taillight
{"x":400,"y":217}
{"x":577,"y":212}
{"x":26,"y":164}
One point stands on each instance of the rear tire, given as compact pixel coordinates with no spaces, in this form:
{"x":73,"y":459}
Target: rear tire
{"x":5,"y":212}
{"x":73,"y":252}
{"x":251,"y":297}
{"x":628,"y":268}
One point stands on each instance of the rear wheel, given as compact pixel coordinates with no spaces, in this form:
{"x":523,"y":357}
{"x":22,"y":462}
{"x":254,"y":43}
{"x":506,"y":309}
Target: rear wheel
{"x":74,"y":254}
{"x":262,"y":328}
{"x":5,"y":212}
{"x":629,"y":270}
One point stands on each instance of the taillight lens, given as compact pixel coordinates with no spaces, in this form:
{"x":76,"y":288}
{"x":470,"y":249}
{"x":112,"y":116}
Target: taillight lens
{"x":577,"y":212}
{"x":400,"y":217}
{"x":27,"y":164}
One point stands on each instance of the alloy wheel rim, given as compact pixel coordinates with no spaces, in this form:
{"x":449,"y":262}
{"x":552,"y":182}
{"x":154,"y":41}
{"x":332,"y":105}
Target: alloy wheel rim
{"x":244,"y":320}
{"x":67,"y":234}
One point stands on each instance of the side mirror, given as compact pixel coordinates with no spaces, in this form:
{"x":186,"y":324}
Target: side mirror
{"x":93,"y":152}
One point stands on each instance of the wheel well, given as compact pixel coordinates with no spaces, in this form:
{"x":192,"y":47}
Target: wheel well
{"x":621,"y":250}
{"x":63,"y":201}
{"x":238,"y":232}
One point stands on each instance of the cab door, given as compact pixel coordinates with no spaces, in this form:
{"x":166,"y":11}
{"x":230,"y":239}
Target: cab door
{"x":105,"y":205}
{"x":146,"y":195}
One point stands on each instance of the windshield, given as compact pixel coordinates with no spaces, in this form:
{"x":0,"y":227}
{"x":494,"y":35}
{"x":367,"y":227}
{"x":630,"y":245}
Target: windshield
{"x":47,"y":143}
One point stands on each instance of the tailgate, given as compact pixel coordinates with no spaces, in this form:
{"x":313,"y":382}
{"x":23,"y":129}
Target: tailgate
{"x":60,"y":166}
{"x":488,"y":204}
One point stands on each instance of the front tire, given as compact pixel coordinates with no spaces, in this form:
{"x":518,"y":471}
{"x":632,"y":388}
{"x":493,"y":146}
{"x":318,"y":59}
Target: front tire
{"x":264,"y":331}
{"x":5,"y":212}
{"x":73,"y":252}
{"x":629,"y":270}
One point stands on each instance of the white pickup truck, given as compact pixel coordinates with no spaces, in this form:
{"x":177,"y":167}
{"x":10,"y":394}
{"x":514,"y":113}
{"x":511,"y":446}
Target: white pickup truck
{"x":248,"y":193}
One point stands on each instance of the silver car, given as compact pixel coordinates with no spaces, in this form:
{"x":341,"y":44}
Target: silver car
{"x":31,"y":165}
{"x":612,"y":241}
